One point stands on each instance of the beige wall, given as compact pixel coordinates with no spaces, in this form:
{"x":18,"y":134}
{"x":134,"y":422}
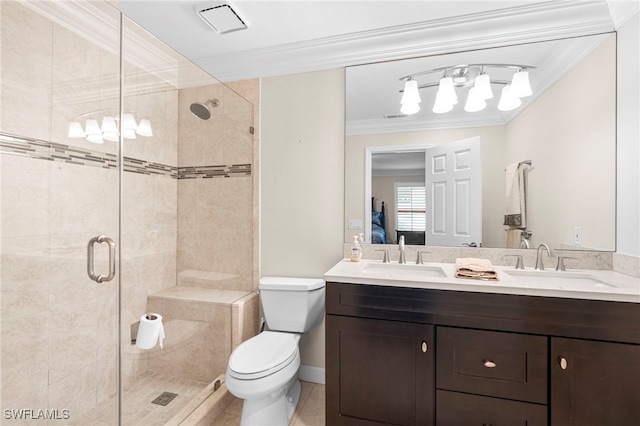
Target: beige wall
{"x":557,"y":188}
{"x":301,"y":181}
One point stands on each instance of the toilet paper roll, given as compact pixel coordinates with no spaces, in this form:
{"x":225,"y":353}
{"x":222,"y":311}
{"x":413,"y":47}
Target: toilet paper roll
{"x":150,"y":332}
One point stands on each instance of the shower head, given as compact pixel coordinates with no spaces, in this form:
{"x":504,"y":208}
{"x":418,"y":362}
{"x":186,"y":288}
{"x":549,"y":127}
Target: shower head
{"x":201,"y":110}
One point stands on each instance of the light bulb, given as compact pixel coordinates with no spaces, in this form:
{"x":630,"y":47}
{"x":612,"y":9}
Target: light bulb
{"x":508,"y":101}
{"x":75,"y":130}
{"x":482,"y":87}
{"x":520,"y":86}
{"x":441,"y":105}
{"x":144,"y":128}
{"x":409,"y":109}
{"x":410,"y":95}
{"x":474,"y":102}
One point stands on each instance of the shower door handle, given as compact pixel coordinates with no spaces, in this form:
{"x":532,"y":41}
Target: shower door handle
{"x":112,"y":259}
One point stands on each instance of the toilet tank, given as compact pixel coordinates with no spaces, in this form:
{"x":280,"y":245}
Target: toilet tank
{"x":292,"y":304}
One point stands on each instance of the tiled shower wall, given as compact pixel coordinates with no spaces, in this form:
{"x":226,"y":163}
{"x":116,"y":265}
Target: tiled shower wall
{"x":58,"y":328}
{"x":215,"y":217}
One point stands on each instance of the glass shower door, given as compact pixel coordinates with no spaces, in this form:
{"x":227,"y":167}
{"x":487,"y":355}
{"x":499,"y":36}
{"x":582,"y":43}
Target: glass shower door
{"x":59,"y":180}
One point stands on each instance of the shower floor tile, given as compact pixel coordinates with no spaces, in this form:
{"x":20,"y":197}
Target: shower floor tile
{"x":137,"y":406}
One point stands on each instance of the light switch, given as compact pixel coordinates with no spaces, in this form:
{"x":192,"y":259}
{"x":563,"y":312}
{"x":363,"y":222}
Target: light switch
{"x":355,"y":224}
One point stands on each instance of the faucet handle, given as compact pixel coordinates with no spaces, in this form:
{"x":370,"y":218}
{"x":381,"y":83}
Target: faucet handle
{"x":385,"y":259}
{"x":419,"y":260}
{"x":519,"y":263}
{"x":560,"y":266}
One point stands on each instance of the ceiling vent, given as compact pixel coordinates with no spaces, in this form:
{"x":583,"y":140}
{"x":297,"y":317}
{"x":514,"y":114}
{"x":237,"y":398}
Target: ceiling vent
{"x":221,"y":17}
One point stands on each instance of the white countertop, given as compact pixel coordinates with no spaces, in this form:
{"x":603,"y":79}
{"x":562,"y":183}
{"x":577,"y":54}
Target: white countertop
{"x":574,"y":283}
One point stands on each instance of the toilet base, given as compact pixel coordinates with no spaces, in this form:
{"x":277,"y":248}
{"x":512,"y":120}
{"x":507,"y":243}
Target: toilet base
{"x":275,"y":409}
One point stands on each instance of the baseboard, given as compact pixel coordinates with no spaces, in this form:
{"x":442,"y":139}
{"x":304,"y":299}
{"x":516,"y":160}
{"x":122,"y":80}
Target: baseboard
{"x":312,"y":374}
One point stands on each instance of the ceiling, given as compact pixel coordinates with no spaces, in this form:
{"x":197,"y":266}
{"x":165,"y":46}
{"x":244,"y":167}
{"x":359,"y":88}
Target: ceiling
{"x":287,"y":37}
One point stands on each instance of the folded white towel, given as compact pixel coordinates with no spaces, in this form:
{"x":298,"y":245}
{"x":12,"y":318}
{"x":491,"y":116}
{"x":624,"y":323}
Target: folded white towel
{"x":474,"y":268}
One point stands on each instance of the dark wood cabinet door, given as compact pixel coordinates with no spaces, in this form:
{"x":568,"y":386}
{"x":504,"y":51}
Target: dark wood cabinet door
{"x":379,"y":372}
{"x":460,"y":409}
{"x":594,"y":383}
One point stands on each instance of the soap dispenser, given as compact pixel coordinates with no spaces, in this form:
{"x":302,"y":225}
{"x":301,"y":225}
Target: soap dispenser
{"x":355,"y":252}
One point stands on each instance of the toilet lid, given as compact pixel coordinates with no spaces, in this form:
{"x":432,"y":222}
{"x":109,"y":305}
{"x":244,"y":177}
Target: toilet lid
{"x":267,"y":351}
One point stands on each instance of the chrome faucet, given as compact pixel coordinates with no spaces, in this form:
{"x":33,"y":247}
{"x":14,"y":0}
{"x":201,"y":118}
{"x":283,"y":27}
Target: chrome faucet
{"x":539,"y":264}
{"x":401,"y":247}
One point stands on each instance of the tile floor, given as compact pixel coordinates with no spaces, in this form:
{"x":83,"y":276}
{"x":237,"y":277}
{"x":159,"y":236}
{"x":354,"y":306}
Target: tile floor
{"x":310,"y":410}
{"x":137,"y":407}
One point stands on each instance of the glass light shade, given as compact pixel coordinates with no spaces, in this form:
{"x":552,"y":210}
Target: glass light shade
{"x":441,"y":105}
{"x":410,"y":108}
{"x":482,"y":87}
{"x":95,"y":138}
{"x":129,"y":123}
{"x":144,"y":128}
{"x":109,"y":125}
{"x":474,"y":102}
{"x":75,"y":130}
{"x":410,"y":95}
{"x":447,"y":90}
{"x":110,"y":136}
{"x":520,"y":86}
{"x":129,"y":134}
{"x":91,"y":128}
{"x":508,"y":101}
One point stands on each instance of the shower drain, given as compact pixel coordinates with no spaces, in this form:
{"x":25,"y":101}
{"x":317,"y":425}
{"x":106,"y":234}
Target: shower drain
{"x":164,"y":398}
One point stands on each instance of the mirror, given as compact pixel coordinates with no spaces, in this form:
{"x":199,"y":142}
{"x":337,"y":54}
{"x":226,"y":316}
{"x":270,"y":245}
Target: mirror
{"x":565,"y":132}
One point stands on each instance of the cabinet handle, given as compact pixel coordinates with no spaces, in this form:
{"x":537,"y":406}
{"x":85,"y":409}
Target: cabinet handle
{"x":487,"y":424}
{"x":489,"y":364}
{"x":563,"y":362}
{"x":424,"y":346}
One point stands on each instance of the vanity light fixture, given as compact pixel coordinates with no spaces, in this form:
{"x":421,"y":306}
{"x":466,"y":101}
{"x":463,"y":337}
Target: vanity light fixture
{"x":472,"y":77}
{"x":108,"y":127}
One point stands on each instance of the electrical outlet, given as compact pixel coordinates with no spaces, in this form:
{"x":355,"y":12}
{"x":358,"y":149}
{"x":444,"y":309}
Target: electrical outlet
{"x":577,"y":235}
{"x":355,"y":224}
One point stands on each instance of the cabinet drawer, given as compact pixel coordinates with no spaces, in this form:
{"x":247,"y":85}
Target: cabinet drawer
{"x":492,"y":363}
{"x":459,"y":409}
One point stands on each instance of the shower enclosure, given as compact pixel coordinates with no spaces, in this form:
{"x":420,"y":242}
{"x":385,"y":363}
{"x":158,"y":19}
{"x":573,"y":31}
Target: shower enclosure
{"x":112,"y":196}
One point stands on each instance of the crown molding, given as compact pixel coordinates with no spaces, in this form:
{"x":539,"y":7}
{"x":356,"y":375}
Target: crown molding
{"x":523,"y":24}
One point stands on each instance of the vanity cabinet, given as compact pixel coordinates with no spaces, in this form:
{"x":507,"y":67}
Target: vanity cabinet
{"x":383,"y":372}
{"x":488,"y":359}
{"x":594,"y":383}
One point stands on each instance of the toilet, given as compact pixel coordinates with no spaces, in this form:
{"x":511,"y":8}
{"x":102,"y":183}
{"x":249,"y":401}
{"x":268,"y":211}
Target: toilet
{"x":263,"y":371}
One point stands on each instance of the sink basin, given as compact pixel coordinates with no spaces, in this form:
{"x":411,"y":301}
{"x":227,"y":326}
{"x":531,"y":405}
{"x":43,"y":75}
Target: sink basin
{"x":397,"y":270}
{"x":563,"y":280}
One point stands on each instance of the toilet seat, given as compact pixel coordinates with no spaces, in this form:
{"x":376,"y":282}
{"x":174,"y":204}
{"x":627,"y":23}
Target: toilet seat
{"x":263,"y":355}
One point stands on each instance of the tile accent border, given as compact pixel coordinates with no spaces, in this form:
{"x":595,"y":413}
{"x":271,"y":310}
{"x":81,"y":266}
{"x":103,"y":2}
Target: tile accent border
{"x":51,"y":151}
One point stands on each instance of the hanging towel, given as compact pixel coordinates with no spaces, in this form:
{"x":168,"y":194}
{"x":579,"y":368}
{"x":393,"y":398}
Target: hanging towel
{"x":514,"y":237}
{"x":474,"y":268}
{"x":514,"y":215}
